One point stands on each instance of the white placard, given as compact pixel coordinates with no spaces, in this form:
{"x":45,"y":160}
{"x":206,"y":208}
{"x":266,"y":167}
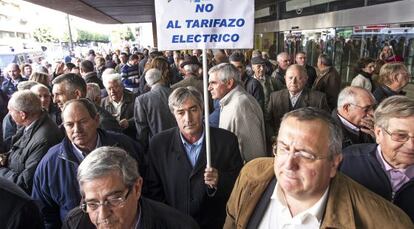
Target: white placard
{"x":198,"y":24}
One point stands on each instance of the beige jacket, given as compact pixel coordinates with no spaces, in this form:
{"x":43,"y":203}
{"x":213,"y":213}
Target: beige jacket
{"x":349,"y":206}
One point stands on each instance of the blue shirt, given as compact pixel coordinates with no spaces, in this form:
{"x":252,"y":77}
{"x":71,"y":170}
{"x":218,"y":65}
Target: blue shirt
{"x":193,"y":150}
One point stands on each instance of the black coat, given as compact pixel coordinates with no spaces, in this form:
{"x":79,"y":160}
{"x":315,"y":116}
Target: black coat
{"x":28,"y":149}
{"x":173,"y":180}
{"x":127,"y":111}
{"x":348,"y":136}
{"x":17,"y":210}
{"x":361,"y":164}
{"x":154,"y":215}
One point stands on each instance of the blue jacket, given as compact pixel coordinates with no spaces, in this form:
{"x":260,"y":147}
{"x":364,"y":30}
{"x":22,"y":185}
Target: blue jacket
{"x":361,"y":164}
{"x":8,"y":87}
{"x":55,"y":187}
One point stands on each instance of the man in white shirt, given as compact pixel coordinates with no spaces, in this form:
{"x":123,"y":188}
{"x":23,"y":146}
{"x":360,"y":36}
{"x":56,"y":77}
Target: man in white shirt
{"x":301,"y":188}
{"x":355,"y":115}
{"x":294,"y":97}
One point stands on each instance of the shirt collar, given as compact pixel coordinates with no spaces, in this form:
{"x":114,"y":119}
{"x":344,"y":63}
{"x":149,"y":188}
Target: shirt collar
{"x":315,"y":210}
{"x":295,"y":96}
{"x":198,"y":142}
{"x":79,"y":153}
{"x":409,"y":171}
{"x":348,"y":124}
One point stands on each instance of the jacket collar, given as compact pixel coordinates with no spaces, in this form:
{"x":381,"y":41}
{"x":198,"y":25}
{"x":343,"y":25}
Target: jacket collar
{"x":229,"y":96}
{"x":66,"y":149}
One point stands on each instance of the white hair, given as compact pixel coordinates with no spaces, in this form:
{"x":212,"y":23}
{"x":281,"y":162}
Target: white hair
{"x":115,"y":77}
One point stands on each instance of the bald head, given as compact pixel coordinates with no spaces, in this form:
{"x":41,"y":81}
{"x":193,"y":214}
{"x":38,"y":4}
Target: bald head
{"x":13,"y":71}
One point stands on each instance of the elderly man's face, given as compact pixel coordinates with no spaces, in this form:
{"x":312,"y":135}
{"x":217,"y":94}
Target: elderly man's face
{"x":115,"y":90}
{"x":61,"y":95}
{"x":189,"y":118}
{"x":402,"y":78}
{"x":295,"y":81}
{"x":110,"y":187}
{"x":218,"y":88}
{"x":258,"y":69}
{"x":283,"y":62}
{"x":14,"y":71}
{"x":300,"y":178}
{"x":16,"y":115}
{"x":396,"y":151}
{"x":80,"y":127}
{"x":301,"y":59}
{"x":363,"y":108}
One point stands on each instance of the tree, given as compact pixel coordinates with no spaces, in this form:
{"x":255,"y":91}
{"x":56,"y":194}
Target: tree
{"x":44,"y":35}
{"x":85,"y":37}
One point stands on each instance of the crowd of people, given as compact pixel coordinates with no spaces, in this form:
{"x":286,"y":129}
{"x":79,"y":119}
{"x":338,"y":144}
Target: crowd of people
{"x":119,"y":140}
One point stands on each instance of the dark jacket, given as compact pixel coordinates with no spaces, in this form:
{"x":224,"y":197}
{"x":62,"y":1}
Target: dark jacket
{"x":154,"y":215}
{"x":254,"y":88}
{"x":92,"y":77}
{"x":55,"y":188}
{"x":107,"y":121}
{"x":173,"y":180}
{"x":329,"y":82}
{"x":127,"y":111}
{"x":28,"y":149}
{"x":8,"y":87}
{"x":17,"y":210}
{"x":152,"y":114}
{"x":279,"y":104}
{"x":349,"y":137}
{"x":279,"y":77}
{"x":9,"y":129}
{"x":382,"y":92}
{"x":361,"y":164}
{"x":311,"y":75}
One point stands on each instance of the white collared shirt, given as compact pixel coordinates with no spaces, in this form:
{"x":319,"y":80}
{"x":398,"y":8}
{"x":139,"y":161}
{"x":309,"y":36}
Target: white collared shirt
{"x":294,"y":98}
{"x":79,"y":153}
{"x":348,"y":124}
{"x":277,"y":215}
{"x":118,"y":107}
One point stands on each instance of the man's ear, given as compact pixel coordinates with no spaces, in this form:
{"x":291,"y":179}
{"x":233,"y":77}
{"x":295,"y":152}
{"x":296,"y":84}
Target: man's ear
{"x":23,"y":115}
{"x":230,"y":84}
{"x":78,"y":94}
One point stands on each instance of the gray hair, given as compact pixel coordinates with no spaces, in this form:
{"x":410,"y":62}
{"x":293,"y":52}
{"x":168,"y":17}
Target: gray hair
{"x":312,"y":114}
{"x":115,"y":77}
{"x":325,"y":60}
{"x":86,"y":103}
{"x":181,"y":94}
{"x":93,"y":91}
{"x":153,"y":76}
{"x":281,"y":55}
{"x":26,"y":101}
{"x":191,"y":68}
{"x":26,"y":85}
{"x":106,"y":160}
{"x":393,"y":107}
{"x":39,"y":86}
{"x":349,"y":95}
{"x":226,"y":72}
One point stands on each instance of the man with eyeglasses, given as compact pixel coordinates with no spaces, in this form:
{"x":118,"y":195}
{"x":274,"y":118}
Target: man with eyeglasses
{"x":111,"y":185}
{"x":301,"y":188}
{"x":55,"y":188}
{"x":355,"y":115}
{"x":387,"y":168}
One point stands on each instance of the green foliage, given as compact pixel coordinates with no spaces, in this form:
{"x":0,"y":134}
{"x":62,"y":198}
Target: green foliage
{"x":85,"y":37}
{"x":44,"y":35}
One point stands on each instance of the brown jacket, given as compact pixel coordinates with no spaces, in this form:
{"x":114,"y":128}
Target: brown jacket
{"x":329,"y":82}
{"x":349,"y":205}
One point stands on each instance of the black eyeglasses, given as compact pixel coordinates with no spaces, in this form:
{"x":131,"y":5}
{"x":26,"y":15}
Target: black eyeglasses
{"x":111,"y":202}
{"x":365,"y":109}
{"x":398,"y":136}
{"x":283,"y":153}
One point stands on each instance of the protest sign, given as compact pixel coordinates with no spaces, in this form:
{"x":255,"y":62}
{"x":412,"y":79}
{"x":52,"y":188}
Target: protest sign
{"x":210,"y":24}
